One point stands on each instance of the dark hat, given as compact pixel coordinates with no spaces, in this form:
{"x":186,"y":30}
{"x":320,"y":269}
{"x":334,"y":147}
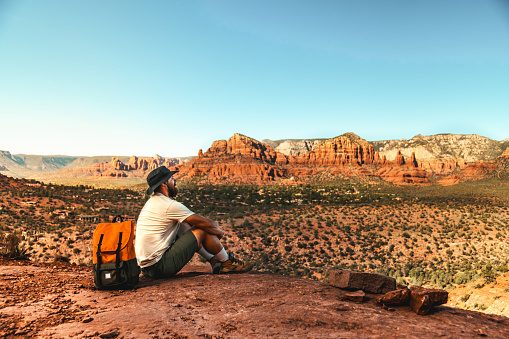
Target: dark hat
{"x":157,"y":177}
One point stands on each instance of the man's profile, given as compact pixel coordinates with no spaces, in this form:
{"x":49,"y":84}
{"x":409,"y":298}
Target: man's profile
{"x":168,"y":233}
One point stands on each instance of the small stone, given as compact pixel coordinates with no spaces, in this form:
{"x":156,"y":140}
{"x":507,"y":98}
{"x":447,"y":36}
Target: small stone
{"x":481,"y":333}
{"x":112,"y":334}
{"x":21,"y":331}
{"x":87,"y":320}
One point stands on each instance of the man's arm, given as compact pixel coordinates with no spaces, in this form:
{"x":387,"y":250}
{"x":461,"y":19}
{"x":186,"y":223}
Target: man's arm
{"x":205,"y":224}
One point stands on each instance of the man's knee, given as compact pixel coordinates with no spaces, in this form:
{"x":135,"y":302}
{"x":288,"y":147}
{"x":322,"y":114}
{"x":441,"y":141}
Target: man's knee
{"x":199,"y":234}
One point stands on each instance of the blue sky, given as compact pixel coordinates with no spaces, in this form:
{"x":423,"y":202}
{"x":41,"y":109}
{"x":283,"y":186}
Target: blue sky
{"x":170,"y":77}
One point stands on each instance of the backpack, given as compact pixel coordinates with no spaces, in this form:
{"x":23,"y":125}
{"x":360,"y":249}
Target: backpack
{"x":114,"y":258}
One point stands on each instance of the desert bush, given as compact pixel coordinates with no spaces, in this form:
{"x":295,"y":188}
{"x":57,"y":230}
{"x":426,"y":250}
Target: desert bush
{"x":10,"y":246}
{"x":465,"y":297}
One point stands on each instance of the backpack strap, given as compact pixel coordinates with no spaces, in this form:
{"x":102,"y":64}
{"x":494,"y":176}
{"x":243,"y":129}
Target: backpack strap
{"x":117,"y":252}
{"x":99,"y":259}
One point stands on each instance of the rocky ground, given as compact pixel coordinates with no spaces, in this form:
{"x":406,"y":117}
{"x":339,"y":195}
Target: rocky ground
{"x":58,"y":300}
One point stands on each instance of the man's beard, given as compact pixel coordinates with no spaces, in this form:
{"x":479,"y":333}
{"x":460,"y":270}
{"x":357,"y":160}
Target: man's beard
{"x":173,"y":191}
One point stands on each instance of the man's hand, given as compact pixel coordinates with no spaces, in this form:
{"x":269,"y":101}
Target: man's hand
{"x":205,"y":224}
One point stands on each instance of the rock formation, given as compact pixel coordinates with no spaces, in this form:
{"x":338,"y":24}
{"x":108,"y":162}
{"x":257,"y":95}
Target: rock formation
{"x":238,"y":159}
{"x":339,"y":151}
{"x":136,"y":166}
{"x":420,"y":299}
{"x":423,"y":299}
{"x":243,"y":159}
{"x":476,"y":171}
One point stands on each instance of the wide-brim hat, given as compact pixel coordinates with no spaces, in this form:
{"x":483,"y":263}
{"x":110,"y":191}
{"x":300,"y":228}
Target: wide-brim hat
{"x":158,"y":177}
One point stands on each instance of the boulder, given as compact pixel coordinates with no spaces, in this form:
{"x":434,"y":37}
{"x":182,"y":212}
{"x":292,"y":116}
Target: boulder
{"x":423,"y":299}
{"x":395,"y":298}
{"x":368,"y":282}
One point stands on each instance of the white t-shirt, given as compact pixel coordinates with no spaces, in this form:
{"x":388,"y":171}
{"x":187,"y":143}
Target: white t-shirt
{"x":157,"y":227}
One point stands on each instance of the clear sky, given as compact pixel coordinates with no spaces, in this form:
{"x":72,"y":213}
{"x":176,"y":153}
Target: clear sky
{"x":130,"y":77}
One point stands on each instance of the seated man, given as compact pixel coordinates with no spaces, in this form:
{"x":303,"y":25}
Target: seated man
{"x":168,"y":233}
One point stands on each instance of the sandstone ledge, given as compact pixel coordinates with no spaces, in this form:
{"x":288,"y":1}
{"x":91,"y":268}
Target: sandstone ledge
{"x":59,"y":301}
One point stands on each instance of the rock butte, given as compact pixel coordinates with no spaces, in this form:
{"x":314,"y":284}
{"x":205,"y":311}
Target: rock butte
{"x":242,"y":159}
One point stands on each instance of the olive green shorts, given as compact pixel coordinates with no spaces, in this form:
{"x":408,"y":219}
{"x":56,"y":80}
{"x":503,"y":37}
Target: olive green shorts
{"x":174,"y":258}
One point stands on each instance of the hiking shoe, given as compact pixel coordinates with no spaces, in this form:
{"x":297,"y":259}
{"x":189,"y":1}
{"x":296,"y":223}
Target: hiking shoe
{"x":232,"y":265}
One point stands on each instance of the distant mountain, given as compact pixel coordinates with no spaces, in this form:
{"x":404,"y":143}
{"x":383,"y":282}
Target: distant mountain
{"x":54,"y":166}
{"x":24,"y":165}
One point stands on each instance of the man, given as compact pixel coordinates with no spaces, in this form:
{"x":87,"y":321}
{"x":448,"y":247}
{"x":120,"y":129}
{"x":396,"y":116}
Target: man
{"x":168,"y":233}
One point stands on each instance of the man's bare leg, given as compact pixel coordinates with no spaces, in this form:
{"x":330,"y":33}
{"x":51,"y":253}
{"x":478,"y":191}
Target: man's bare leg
{"x":184,"y":227}
{"x":221,"y":262}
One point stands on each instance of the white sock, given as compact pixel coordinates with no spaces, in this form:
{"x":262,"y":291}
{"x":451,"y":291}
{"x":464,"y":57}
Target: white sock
{"x":222,"y":256}
{"x":205,"y":254}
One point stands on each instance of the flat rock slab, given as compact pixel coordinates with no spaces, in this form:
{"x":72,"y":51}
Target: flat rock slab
{"x":368,"y":282}
{"x":356,"y":296}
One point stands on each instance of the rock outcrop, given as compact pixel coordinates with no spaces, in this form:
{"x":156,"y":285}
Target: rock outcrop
{"x":423,"y":299}
{"x":420,"y":299}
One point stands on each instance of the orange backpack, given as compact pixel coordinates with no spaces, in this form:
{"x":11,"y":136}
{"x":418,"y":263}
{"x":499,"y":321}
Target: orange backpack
{"x":114,"y":258}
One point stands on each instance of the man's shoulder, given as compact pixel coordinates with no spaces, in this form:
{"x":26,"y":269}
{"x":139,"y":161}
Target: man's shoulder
{"x":164,"y":200}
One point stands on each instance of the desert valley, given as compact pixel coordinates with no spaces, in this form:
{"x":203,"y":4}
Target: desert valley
{"x":431,"y":211}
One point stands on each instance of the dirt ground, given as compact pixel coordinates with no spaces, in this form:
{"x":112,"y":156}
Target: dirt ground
{"x":58,"y":300}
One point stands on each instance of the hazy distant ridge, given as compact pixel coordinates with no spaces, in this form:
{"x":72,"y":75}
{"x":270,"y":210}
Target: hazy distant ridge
{"x":470,"y":147}
{"x":22,"y":165}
